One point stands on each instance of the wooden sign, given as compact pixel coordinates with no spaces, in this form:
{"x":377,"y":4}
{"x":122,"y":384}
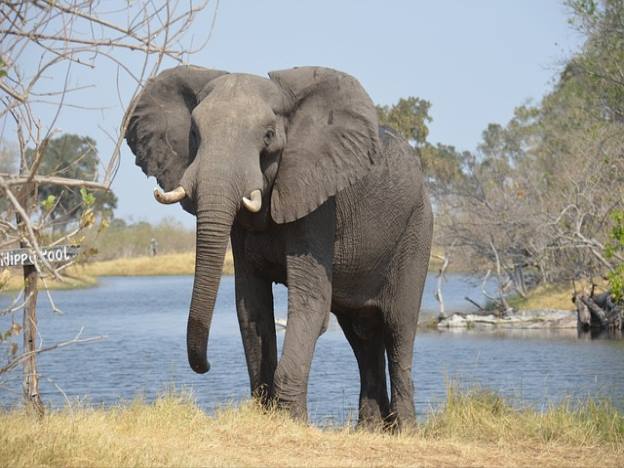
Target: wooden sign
{"x":21,"y":257}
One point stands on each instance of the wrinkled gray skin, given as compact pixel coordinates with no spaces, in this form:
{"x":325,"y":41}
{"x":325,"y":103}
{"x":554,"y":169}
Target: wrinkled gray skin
{"x":345,"y":221}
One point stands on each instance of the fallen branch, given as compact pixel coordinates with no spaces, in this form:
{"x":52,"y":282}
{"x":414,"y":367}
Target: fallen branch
{"x":598,"y":311}
{"x":474,"y":303}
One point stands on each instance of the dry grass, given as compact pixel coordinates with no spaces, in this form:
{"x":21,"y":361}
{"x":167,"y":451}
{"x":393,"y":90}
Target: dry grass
{"x":83,"y":276}
{"x":484,"y":416}
{"x":547,"y":297}
{"x":170,"y":264}
{"x":474,"y":430}
{"x":15,"y":282}
{"x":553,"y":296}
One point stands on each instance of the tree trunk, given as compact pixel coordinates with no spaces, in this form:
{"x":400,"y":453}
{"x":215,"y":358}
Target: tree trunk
{"x":438,"y":294}
{"x":31,"y":377}
{"x":583,"y":314}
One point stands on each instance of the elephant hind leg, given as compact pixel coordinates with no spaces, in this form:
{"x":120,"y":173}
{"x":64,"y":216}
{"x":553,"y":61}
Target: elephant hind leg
{"x":374,"y":406}
{"x":401,"y":307}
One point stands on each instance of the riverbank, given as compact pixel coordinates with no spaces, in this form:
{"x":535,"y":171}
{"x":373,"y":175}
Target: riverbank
{"x":557,"y":297}
{"x":472,"y":430}
{"x":85,"y":275}
{"x":160,"y":265}
{"x":545,"y":307}
{"x":524,"y":319}
{"x":14,"y":282}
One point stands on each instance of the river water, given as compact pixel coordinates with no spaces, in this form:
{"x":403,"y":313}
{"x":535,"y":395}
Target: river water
{"x":144,"y":353}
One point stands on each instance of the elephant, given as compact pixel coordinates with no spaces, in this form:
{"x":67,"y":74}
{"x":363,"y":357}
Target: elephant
{"x":296,"y":172}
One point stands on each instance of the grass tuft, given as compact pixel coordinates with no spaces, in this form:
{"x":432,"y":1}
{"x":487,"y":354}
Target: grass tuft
{"x":482,"y":415}
{"x":474,"y":429}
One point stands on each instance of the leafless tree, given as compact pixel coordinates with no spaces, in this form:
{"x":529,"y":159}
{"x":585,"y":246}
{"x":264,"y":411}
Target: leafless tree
{"x":444,"y":258}
{"x":44,"y":44}
{"x":543,"y":217}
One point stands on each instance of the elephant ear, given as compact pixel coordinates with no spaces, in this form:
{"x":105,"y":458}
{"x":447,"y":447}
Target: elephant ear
{"x":159,"y":127}
{"x":332,"y":139}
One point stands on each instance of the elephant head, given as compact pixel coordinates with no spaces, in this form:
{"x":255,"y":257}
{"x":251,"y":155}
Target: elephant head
{"x":227,"y":143}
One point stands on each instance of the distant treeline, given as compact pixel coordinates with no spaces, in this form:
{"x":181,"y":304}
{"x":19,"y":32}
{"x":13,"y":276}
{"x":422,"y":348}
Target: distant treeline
{"x":125,"y":239}
{"x":541,"y":199}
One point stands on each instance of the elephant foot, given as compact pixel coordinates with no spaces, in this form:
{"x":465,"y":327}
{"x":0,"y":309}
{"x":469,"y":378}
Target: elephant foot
{"x":369,"y":424}
{"x":373,"y":418}
{"x":402,"y":421}
{"x":263,"y":395}
{"x":291,"y":393}
{"x":295,"y":409}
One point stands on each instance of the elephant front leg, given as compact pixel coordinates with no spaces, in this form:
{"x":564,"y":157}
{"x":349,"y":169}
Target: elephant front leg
{"x":254,"y":306}
{"x":309,"y":299}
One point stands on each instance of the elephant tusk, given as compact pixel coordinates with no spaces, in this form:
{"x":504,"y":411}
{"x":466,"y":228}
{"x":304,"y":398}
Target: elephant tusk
{"x":167,"y":198}
{"x":255,"y":203}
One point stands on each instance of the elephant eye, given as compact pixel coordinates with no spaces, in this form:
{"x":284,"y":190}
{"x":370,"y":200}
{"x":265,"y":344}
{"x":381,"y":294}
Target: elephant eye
{"x":268,"y":137}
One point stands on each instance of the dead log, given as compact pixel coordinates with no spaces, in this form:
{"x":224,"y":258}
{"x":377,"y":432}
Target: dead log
{"x":582,"y":314}
{"x":603,"y":312}
{"x":597,"y":312}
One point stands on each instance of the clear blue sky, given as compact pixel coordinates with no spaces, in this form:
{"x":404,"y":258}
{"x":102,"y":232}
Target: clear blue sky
{"x":474,"y":60}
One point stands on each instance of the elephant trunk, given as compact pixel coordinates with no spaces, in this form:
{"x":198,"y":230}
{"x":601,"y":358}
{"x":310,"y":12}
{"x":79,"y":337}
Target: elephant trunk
{"x":215,"y":214}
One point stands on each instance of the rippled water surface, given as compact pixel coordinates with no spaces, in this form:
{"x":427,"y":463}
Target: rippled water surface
{"x":144,"y":353}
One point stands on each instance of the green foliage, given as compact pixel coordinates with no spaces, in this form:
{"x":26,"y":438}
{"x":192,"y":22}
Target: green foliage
{"x":3,"y":72}
{"x":48,"y":203}
{"x":536,"y":196}
{"x":408,"y":117}
{"x":76,"y":157}
{"x":87,"y":198}
{"x":613,"y":249}
{"x":600,"y":63}
{"x":585,"y":7}
{"x":616,"y":283}
{"x":617,"y":233}
{"x":442,"y":164}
